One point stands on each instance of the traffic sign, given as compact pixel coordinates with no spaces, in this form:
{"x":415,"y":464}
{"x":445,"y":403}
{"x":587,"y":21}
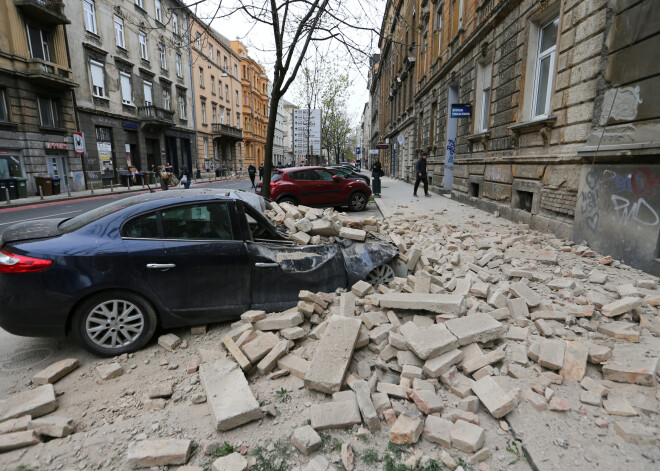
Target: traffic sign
{"x":357,"y":150}
{"x":79,"y":142}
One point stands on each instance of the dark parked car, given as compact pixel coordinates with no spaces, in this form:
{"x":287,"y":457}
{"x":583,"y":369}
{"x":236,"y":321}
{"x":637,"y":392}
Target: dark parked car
{"x":349,"y":172}
{"x":110,"y":276}
{"x":317,"y":186}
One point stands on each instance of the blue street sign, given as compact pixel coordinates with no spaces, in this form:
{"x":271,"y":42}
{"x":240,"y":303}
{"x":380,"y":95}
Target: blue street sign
{"x":357,"y":150}
{"x":461,"y":111}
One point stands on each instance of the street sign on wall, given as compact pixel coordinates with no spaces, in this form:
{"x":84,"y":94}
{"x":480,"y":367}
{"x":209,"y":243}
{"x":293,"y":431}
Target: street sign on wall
{"x":461,"y":111}
{"x":306,"y":130}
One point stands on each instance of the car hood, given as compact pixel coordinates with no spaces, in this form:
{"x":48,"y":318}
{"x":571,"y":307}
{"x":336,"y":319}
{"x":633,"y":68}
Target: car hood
{"x":30,"y":230}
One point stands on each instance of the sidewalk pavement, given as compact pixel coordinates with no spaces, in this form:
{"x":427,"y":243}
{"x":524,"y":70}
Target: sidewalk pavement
{"x":116,"y":190}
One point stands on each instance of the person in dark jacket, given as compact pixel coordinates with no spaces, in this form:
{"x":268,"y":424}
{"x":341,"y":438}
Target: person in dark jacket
{"x":252,"y":172}
{"x":376,"y":173}
{"x":261,"y":172}
{"x":421,"y":175}
{"x":184,"y":176}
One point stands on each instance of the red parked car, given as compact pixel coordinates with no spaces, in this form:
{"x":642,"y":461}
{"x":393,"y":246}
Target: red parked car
{"x":316,"y":186}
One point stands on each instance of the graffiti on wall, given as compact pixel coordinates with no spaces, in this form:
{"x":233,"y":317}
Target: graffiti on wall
{"x":451,"y":150}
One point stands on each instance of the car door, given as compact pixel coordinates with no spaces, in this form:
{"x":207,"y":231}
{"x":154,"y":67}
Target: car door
{"x":329,"y":190}
{"x":196,"y":269}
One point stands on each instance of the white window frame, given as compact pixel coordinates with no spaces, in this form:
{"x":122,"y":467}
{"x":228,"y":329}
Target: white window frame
{"x":211,"y":52}
{"x":461,"y":7}
{"x":483,"y":96}
{"x":162,"y":53}
{"x":214,"y":115}
{"x":52,"y":105}
{"x":147,"y":85}
{"x":3,"y":105}
{"x":144,"y":45}
{"x":159,"y":10}
{"x":122,"y":77}
{"x":203,"y":109}
{"x":140,"y":3}
{"x":227,"y":92}
{"x":222,"y":116}
{"x":98,"y":90}
{"x":199,"y":42}
{"x":206,"y":148}
{"x":167,"y":99}
{"x":179,"y":66}
{"x":236,"y":103}
{"x":175,"y":23}
{"x":182,"y":106}
{"x":89,"y":14}
{"x":212,"y":84}
{"x":540,"y":55}
{"x":201,"y":77}
{"x":120,"y":39}
{"x":439,"y":29}
{"x":43,"y":45}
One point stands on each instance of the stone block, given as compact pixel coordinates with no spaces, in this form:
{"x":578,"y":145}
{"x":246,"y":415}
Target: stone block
{"x":632,"y":364}
{"x":411,"y":372}
{"x":300,"y":238}
{"x":618,"y":405}
{"x":406,"y":430}
{"x":427,"y":401}
{"x":620,"y":330}
{"x":575,"y":361}
{"x":347,"y":304}
{"x":259,"y":347}
{"x":478,"y":327}
{"x":521,"y":290}
{"x":228,"y":394}
{"x":591,"y":398}
{"x":16,"y":440}
{"x":552,"y":354}
{"x":438,"y":430}
{"x":293,"y":363}
{"x":438,"y":303}
{"x":335,"y":414}
{"x":306,"y":440}
{"x":236,"y":352}
{"x":253,"y":316}
{"x":380,"y":333}
{"x":497,"y":401}
{"x":55,"y":371}
{"x":109,"y":371}
{"x":163,"y":452}
{"x":293,"y":333}
{"x":467,"y":437}
{"x":373,"y":319}
{"x":279,"y":321}
{"x":268,"y":362}
{"x":232,"y":462}
{"x":394,"y":390}
{"x":52,"y":426}
{"x":361,"y":289}
{"x":333,"y":355}
{"x":621,"y":306}
{"x":436,"y":366}
{"x":169,"y":342}
{"x":19,"y":424}
{"x":489,"y":358}
{"x":324,"y":227}
{"x":432,"y":342}
{"x":33,"y":402}
{"x":636,"y":433}
{"x":353,"y":234}
{"x":367,"y":409}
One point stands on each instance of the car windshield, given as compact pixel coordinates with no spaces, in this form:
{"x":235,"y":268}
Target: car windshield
{"x":82,"y":220}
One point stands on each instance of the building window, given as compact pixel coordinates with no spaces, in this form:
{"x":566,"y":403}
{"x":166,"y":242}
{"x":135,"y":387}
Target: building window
{"x":206,"y":148}
{"x":220,"y":88}
{"x":238,"y":120}
{"x":182,"y":106}
{"x":544,"y":69}
{"x":227,"y":92}
{"x":126,"y":89}
{"x":148,"y":95}
{"x":235,"y":70}
{"x":224,"y":63}
{"x":212,"y":84}
{"x":163,"y":56}
{"x":144,"y":53}
{"x":461,"y":8}
{"x":48,"y":112}
{"x":4,"y":110}
{"x":175,"y":23}
{"x":485,"y":71}
{"x":140,"y":3}
{"x":98,"y":79}
{"x":159,"y":10}
{"x":211,"y":52}
{"x":120,"y":40}
{"x":167,"y":99}
{"x":214,"y":113}
{"x":243,"y":71}
{"x":179,"y":68}
{"x":89,"y":10}
{"x":201,"y":77}
{"x":203,"y":112}
{"x":222,"y":116}
{"x":199,"y":42}
{"x":438,"y":33}
{"x":39,"y":47}
{"x":236,"y":102}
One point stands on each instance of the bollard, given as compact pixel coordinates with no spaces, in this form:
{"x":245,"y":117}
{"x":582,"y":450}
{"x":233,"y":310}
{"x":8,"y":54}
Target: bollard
{"x":7,"y":195}
{"x":112,"y":186}
{"x":68,"y":186}
{"x":41,"y":192}
{"x":128,"y":183}
{"x":91,"y":187}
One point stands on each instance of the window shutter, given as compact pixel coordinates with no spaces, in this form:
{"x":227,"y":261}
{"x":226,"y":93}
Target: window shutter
{"x":488,"y":72}
{"x":126,"y":92}
{"x":97,"y":75}
{"x":147,"y":93}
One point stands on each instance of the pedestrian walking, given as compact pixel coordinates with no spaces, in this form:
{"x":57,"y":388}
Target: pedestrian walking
{"x":376,"y":173}
{"x":252,"y":172}
{"x":164,"y":177}
{"x":184,"y":176}
{"x":421,"y":176}
{"x":261,"y":172}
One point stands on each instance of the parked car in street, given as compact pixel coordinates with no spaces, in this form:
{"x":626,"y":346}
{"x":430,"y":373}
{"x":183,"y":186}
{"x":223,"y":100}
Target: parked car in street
{"x":111,"y":276}
{"x":317,"y":186}
{"x":349,"y":172}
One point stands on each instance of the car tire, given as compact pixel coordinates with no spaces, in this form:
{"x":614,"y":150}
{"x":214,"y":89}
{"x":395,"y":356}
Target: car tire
{"x":288,"y":199}
{"x":114,"y":322}
{"x":357,"y":201}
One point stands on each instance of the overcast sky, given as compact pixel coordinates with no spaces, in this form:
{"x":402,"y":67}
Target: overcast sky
{"x":259,"y":40}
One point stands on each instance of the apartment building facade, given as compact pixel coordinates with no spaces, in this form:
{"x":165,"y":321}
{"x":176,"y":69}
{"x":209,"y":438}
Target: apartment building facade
{"x":280,"y":133}
{"x":218,"y":100}
{"x":288,"y":136}
{"x":37,"y":115}
{"x":513,"y":102}
{"x":255,"y":89}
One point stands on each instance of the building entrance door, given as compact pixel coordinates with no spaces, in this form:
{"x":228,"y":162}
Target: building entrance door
{"x":452,"y":127}
{"x":153,"y":153}
{"x":57,"y":169}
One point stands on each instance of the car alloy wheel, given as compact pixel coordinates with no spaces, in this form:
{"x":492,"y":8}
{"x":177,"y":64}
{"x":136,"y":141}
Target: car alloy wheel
{"x":381,"y":275}
{"x":357,"y":201}
{"x":114,"y":323}
{"x":288,"y":199}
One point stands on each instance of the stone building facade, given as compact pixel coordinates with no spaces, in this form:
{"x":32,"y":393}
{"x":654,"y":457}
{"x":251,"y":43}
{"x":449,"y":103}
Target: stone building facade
{"x":37,"y":116}
{"x":539,"y":80}
{"x":132,"y":60}
{"x":254,"y":83}
{"x":218,"y":99}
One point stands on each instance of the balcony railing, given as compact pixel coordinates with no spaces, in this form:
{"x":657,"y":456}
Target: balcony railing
{"x":46,"y":11}
{"x":229,"y":131}
{"x":155,"y":115}
{"x":49,"y":73}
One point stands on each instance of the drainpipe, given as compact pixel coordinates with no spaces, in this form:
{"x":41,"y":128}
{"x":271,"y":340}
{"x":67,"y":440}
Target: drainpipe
{"x":192,"y":91}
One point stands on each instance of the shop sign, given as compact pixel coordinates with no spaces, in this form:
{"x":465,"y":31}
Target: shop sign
{"x":79,"y":142}
{"x":129,"y":125}
{"x":57,"y":145}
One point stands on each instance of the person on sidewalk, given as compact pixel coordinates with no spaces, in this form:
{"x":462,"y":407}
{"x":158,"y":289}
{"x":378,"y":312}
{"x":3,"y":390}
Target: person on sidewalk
{"x":421,"y":176}
{"x":261,"y":172}
{"x":376,"y":173}
{"x":252,"y":172}
{"x":184,"y":176}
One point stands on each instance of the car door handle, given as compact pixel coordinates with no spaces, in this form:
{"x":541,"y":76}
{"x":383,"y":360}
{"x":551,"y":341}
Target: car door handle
{"x":159,"y":266}
{"x":266,"y":265}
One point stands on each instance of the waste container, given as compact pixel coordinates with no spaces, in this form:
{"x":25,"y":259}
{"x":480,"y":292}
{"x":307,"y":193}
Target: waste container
{"x":138,"y":179}
{"x":152,"y":178}
{"x":21,"y":187}
{"x":217,"y":172}
{"x":125,"y":178}
{"x":8,"y":184}
{"x":56,"y":186}
{"x":46,"y":184}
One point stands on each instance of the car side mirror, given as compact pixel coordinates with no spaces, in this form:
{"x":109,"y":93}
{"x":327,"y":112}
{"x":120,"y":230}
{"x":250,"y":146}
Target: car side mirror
{"x":336,"y":178}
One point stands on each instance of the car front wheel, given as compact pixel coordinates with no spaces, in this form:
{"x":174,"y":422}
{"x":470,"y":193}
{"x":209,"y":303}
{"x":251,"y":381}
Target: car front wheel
{"x":288,"y":199}
{"x":113,"y":323}
{"x":357,"y":201}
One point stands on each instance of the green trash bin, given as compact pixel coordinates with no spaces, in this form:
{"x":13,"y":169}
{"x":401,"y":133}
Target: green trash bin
{"x":21,"y":187}
{"x":152,"y":178}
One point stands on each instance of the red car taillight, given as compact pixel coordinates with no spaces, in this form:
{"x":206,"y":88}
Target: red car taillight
{"x":10,"y":263}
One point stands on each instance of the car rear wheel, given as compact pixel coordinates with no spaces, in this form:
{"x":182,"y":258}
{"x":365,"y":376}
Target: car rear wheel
{"x":357,"y":201}
{"x":113,"y":323}
{"x":385,"y":273}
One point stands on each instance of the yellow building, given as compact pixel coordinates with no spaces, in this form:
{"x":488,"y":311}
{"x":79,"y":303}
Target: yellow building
{"x":254,"y":82}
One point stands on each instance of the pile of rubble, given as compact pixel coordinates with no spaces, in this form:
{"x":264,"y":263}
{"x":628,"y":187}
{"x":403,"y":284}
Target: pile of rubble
{"x":487,"y":323}
{"x":313,"y":226}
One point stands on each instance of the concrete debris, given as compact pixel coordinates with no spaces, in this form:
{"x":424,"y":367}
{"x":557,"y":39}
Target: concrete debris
{"x":109,"y":371}
{"x":15,"y":440}
{"x":306,"y":439}
{"x":467,"y":437}
{"x":169,"y":342}
{"x":335,"y":414}
{"x":52,"y":426}
{"x":34,"y":402}
{"x":406,"y":430}
{"x":231,"y":462}
{"x":163,"y":452}
{"x":55,"y":371}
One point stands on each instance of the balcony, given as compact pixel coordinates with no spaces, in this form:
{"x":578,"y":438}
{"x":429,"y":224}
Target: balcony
{"x":46,"y":11}
{"x":223,"y":130}
{"x":154,"y":116}
{"x":50,"y":74}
